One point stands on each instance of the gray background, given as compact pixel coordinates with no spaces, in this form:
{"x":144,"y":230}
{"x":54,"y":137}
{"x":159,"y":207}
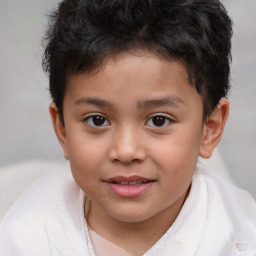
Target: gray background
{"x":25,"y":126}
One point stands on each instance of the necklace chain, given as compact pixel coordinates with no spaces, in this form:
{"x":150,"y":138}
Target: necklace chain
{"x":88,"y":241}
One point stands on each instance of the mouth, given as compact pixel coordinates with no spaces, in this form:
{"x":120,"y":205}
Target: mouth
{"x":132,"y":186}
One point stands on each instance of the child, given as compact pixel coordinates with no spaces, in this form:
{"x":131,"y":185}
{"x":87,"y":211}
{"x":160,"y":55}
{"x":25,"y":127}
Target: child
{"x":138,"y":89}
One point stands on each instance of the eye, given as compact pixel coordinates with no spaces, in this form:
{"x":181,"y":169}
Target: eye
{"x":97,"y":121}
{"x":158,"y":121}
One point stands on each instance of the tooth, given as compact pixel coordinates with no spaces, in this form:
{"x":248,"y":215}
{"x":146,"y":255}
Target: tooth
{"x":132,"y":182}
{"x":124,"y":182}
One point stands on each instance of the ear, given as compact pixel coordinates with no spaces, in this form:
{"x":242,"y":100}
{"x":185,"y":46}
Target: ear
{"x":213,"y":128}
{"x":59,"y":128}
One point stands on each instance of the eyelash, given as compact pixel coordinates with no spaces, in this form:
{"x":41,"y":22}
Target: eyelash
{"x":89,"y":120}
{"x":103,"y":122}
{"x":161,"y":118}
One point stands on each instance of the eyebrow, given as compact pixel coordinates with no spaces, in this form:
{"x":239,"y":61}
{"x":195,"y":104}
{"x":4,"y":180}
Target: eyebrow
{"x":93,"y":101}
{"x":169,"y":100}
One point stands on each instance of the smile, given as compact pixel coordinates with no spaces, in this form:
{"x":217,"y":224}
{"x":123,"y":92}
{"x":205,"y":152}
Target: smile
{"x":130,"y":183}
{"x":133,"y":186}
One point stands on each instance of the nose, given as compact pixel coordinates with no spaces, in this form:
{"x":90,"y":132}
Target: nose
{"x":127,"y":146}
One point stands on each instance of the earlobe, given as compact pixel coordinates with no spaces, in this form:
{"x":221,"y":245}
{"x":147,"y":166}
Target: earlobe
{"x":59,"y":128}
{"x":213,"y":128}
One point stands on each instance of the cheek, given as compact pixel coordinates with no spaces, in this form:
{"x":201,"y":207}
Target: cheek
{"x":82,"y":145}
{"x":177,"y":152}
{"x":85,"y":156}
{"x":177,"y":156}
{"x":85,"y":162}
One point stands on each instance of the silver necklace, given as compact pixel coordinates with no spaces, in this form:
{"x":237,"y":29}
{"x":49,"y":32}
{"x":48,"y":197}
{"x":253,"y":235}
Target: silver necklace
{"x":89,"y":241}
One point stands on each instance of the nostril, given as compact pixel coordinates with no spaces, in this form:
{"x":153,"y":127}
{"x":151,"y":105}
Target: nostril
{"x":127,"y":161}
{"x":127,"y":156}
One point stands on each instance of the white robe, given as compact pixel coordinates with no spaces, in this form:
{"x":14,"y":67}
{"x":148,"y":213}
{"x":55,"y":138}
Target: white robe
{"x":217,"y":219}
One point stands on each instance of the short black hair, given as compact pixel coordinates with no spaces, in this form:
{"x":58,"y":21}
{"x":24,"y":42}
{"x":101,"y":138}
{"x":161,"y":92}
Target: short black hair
{"x":82,"y":33}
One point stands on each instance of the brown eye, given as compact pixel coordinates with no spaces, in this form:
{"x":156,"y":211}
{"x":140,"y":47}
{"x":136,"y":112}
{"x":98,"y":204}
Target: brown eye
{"x":97,"y":121}
{"x":158,"y":121}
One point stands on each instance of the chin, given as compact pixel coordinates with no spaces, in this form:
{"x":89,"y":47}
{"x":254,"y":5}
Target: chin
{"x":131,"y":216}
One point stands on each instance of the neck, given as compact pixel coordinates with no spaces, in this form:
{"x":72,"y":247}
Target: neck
{"x":137,"y":237}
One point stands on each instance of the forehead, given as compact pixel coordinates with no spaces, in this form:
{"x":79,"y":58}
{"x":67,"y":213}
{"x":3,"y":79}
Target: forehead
{"x":136,"y":76}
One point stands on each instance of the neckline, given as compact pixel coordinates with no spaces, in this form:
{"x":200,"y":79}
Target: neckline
{"x":153,"y":251}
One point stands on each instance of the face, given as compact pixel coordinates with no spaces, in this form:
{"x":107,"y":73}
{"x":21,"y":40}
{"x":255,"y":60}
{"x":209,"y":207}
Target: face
{"x":133,"y":133}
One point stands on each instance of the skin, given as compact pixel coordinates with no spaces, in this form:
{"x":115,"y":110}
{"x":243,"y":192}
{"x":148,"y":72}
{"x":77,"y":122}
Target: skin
{"x":128,"y":92}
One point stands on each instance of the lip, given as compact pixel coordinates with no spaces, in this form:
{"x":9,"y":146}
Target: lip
{"x":132,"y":186}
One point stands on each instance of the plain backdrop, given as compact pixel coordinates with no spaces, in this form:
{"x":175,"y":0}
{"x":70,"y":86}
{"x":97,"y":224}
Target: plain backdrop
{"x":25,"y":126}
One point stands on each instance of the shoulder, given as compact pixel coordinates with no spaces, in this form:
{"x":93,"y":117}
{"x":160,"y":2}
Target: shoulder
{"x":231,"y":210}
{"x":45,"y":212}
{"x":224,"y":189}
{"x":44,"y":194}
